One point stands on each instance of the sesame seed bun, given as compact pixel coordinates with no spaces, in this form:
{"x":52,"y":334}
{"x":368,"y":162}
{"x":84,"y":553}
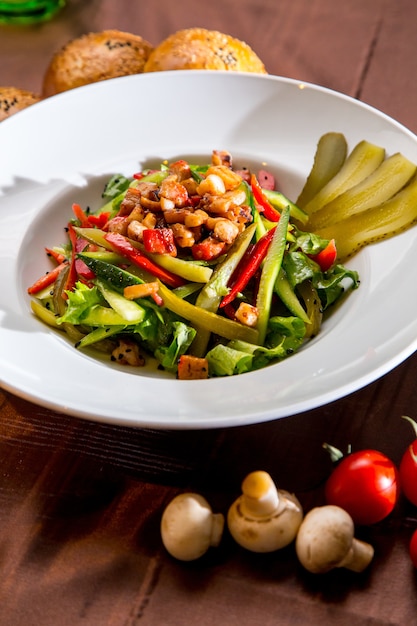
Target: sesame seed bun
{"x":13,"y":100}
{"x":198,"y":48}
{"x":94,"y":57}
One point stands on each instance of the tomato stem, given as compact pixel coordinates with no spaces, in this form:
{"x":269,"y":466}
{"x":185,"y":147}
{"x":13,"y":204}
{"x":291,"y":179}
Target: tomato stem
{"x":412,"y":422}
{"x":335,"y":453}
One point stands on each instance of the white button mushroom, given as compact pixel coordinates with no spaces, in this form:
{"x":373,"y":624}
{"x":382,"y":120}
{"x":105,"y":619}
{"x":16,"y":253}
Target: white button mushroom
{"x":326,"y":540}
{"x":189,"y":527}
{"x":263,"y":518}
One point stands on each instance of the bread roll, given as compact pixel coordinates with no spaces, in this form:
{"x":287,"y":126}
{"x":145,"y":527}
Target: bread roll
{"x":13,"y":99}
{"x":198,"y":48}
{"x":95,"y":57}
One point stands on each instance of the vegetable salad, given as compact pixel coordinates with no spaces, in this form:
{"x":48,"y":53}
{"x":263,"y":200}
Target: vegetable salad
{"x":208,"y":269}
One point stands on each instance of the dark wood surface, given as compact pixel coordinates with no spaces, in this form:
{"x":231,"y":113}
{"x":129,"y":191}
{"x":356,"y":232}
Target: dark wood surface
{"x":80,"y":502}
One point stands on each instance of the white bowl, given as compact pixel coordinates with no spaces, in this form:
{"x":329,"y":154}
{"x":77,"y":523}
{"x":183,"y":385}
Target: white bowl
{"x":62,"y":150}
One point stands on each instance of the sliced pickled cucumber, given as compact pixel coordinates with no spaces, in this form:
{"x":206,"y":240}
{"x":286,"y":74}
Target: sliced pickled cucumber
{"x":330,"y":155}
{"x":387,"y":180}
{"x":380,"y":222}
{"x":361,"y":162}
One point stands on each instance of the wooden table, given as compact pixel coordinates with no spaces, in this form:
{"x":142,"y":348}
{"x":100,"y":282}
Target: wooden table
{"x":80,"y":502}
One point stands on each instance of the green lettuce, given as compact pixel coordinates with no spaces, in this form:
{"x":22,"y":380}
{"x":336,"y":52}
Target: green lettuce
{"x":79,"y":302}
{"x":285,"y":336}
{"x":181,"y":339}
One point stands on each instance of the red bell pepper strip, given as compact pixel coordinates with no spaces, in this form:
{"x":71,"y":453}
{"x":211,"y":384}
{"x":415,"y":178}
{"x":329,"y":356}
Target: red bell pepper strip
{"x":83,"y":271}
{"x":81,"y":215}
{"x":72,"y":274}
{"x":47,"y":279}
{"x":135,"y":256}
{"x":89,"y":221}
{"x":268,"y":210}
{"x":230,"y":311}
{"x":78,"y":269}
{"x":159,"y":241}
{"x":99,"y":220}
{"x":248,"y":267}
{"x":326,"y":257}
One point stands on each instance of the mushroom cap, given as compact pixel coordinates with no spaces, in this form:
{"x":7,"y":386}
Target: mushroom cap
{"x":189,"y":527}
{"x":199,"y":48}
{"x":265,"y":533}
{"x":94,"y":57}
{"x":324,"y":538}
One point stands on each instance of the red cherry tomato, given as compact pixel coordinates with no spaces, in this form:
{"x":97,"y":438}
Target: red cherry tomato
{"x":408,"y":469}
{"x":413,"y":548}
{"x":365,"y":484}
{"x":408,"y":473}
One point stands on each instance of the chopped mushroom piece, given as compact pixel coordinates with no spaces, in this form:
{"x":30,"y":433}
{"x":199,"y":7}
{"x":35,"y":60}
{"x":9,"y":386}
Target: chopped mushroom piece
{"x":247,"y":314}
{"x":230,"y":179}
{"x":221,"y":157}
{"x":192,"y":367}
{"x":127,"y":353}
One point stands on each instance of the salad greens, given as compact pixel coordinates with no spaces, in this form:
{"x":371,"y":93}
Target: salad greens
{"x":191,"y":262}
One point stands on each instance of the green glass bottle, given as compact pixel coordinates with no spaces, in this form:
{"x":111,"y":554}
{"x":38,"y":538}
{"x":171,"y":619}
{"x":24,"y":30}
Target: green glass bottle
{"x":28,"y":11}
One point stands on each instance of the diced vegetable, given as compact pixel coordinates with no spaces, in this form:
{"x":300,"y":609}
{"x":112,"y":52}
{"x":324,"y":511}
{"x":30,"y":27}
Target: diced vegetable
{"x":133,"y":292}
{"x":326,"y":257}
{"x":159,"y":241}
{"x":192,"y":367}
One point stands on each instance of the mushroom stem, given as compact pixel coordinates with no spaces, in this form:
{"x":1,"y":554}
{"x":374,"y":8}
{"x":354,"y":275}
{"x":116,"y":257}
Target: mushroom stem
{"x":217,"y":527}
{"x":358,"y":557}
{"x":259,"y":494}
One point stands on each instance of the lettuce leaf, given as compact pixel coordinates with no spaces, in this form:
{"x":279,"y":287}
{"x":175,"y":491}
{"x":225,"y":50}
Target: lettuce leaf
{"x":116,"y":185}
{"x":79,"y":302}
{"x":285,"y":336}
{"x":182,"y":337}
{"x":330,"y":285}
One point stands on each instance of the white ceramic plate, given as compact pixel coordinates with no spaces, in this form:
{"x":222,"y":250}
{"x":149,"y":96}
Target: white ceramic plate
{"x":61,"y":150}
